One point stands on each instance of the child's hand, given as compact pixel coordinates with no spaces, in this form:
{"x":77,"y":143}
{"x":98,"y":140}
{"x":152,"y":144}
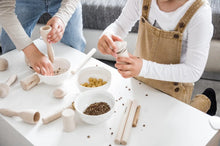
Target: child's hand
{"x":106,"y":44}
{"x":57,"y":31}
{"x":131,"y":66}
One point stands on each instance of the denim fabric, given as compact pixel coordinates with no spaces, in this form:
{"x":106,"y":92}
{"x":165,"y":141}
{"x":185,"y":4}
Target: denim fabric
{"x":28,"y":13}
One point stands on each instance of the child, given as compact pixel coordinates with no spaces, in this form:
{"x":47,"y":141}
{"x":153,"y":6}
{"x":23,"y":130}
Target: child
{"x":172,"y":46}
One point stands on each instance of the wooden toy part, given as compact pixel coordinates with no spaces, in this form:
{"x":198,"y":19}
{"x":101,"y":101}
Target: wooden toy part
{"x":3,"y":64}
{"x":30,"y":81}
{"x":59,"y":93}
{"x":28,"y":116}
{"x":4,"y":87}
{"x":56,"y":114}
{"x":85,"y":60}
{"x":44,"y":30}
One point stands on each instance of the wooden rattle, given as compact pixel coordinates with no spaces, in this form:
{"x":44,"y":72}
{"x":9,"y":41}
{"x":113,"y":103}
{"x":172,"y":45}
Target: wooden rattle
{"x":28,"y":116}
{"x":3,"y":64}
{"x":44,"y":30}
{"x":4,"y":87}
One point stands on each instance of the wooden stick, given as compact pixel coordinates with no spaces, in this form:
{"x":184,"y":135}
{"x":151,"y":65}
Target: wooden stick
{"x":128,"y":125}
{"x":136,"y":116}
{"x":55,"y":115}
{"x":123,"y":122}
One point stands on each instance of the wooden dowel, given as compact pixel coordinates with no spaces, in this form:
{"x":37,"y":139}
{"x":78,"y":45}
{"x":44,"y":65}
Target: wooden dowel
{"x":136,"y":116}
{"x":128,"y":126}
{"x":123,"y":122}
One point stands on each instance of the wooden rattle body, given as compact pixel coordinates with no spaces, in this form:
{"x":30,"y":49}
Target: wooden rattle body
{"x":28,"y":116}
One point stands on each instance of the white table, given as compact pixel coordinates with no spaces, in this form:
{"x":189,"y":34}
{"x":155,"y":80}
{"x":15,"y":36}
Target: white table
{"x":168,"y":121}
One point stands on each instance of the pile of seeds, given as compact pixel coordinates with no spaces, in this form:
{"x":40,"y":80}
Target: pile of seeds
{"x":94,"y":82}
{"x":59,"y":71}
{"x":97,"y":108}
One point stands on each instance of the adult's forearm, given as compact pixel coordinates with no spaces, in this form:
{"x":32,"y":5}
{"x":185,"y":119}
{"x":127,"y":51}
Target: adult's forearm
{"x":9,"y":21}
{"x":66,"y":10}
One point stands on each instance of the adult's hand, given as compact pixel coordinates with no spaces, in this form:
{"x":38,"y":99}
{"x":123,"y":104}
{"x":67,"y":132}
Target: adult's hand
{"x":106,"y":44}
{"x":38,"y":61}
{"x":57,"y":31}
{"x":129,"y":66}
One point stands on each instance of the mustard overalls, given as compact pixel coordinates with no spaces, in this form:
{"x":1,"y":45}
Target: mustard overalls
{"x":164,"y":47}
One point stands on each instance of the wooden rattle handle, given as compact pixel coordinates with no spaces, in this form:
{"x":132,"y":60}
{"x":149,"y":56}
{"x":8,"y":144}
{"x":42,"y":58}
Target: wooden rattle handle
{"x":50,"y":52}
{"x":11,"y":80}
{"x":85,"y":60}
{"x":7,"y":112}
{"x":55,"y":115}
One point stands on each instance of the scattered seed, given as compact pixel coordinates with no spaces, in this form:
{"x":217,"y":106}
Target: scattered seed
{"x":110,"y":128}
{"x":129,"y":89}
{"x":110,"y":145}
{"x":144,"y":125}
{"x":140,"y":83}
{"x":120,"y":98}
{"x":126,"y":86}
{"x":88,"y":136}
{"x":146,"y":95}
{"x":116,"y":100}
{"x":123,"y":104}
{"x":111,"y":133}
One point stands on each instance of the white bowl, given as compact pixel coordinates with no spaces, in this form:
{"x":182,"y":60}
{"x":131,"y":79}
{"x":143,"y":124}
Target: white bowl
{"x":89,"y":97}
{"x":61,"y":63}
{"x":94,"y":72}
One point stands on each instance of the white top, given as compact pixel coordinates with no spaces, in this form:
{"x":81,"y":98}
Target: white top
{"x":196,"y":39}
{"x":12,"y":26}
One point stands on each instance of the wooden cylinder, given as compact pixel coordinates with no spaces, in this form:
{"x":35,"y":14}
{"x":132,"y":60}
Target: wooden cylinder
{"x":30,"y":81}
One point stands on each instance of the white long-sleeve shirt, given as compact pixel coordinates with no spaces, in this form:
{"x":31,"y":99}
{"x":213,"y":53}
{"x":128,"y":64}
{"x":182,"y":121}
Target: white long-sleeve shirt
{"x":196,"y":39}
{"x":12,"y":26}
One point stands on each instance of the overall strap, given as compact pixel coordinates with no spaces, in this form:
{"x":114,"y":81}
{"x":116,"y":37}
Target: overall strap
{"x":146,"y":8}
{"x":188,"y":15}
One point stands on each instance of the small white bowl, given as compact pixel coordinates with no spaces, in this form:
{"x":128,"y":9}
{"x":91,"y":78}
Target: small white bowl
{"x":93,"y":72}
{"x":92,"y":96}
{"x":61,"y":63}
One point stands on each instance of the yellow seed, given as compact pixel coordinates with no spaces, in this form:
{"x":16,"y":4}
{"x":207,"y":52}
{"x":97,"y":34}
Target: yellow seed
{"x":90,"y":79}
